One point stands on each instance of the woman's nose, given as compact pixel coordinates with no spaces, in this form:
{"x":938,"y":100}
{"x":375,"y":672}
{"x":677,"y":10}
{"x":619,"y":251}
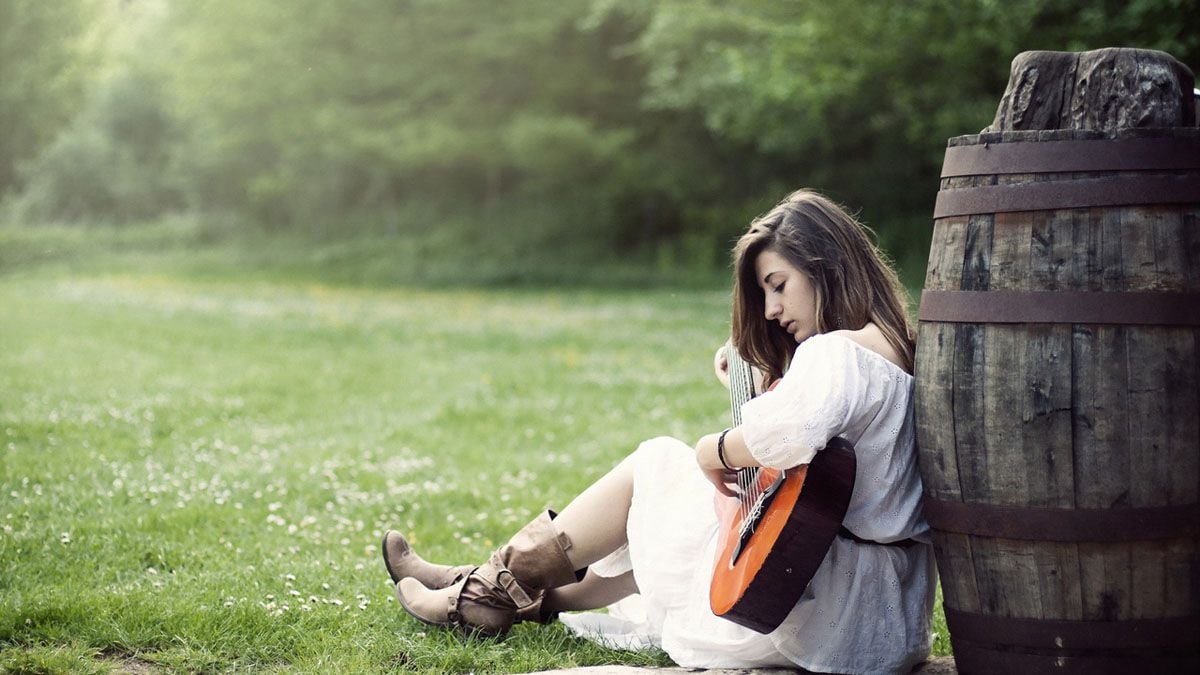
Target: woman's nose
{"x":772,"y":311}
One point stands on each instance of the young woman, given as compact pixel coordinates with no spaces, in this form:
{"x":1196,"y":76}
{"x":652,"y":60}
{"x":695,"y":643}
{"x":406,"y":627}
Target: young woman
{"x":816,"y":307}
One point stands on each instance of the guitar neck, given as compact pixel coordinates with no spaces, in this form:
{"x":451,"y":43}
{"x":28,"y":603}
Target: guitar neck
{"x":742,"y":386}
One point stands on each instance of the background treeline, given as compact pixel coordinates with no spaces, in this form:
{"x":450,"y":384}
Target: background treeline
{"x":545,"y":134}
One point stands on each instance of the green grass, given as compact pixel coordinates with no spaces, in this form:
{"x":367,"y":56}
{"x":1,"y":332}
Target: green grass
{"x":197,"y":468}
{"x":443,"y":256}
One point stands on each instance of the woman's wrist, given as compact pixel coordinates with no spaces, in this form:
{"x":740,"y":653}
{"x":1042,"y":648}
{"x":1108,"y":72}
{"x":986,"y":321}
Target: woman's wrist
{"x":721,"y":450}
{"x":706,"y":452}
{"x":710,"y":453}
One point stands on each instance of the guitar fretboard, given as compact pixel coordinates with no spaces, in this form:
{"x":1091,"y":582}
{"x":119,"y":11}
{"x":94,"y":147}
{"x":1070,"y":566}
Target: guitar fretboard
{"x":753,"y":495}
{"x":742,"y":386}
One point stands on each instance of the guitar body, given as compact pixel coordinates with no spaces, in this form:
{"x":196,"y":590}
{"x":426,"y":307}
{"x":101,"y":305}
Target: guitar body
{"x":776,"y":535}
{"x":758,"y":585}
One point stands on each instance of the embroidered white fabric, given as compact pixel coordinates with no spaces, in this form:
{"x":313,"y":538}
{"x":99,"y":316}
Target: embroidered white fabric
{"x":868,"y":608}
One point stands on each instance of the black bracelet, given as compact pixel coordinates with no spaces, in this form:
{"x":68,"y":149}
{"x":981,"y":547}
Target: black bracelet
{"x":721,"y":450}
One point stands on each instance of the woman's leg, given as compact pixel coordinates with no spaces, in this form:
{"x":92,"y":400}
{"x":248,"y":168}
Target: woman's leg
{"x":593,"y":525}
{"x":593,"y":592}
{"x":595,"y":520}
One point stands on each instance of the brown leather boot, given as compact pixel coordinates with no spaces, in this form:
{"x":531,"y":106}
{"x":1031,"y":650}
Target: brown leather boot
{"x":510,"y":585}
{"x":402,"y":561}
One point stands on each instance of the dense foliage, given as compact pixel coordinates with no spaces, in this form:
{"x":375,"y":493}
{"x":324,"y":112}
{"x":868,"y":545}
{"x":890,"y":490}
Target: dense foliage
{"x":599,"y":127}
{"x":42,"y":47}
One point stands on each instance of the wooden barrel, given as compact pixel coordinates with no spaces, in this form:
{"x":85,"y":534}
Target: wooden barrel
{"x":1058,"y":399}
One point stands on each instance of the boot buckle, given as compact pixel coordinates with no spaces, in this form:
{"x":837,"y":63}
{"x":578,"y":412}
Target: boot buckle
{"x":506,"y":580}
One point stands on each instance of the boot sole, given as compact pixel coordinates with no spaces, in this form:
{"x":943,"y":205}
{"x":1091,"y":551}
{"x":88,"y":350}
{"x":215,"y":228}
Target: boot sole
{"x":386,"y":562}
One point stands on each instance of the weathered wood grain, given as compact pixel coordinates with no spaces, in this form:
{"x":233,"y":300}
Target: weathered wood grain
{"x":1049,"y":469}
{"x":1011,"y":242}
{"x":935,"y":370}
{"x":1004,"y":362}
{"x":935,"y":391}
{"x":1102,"y":469}
{"x":1083,"y":416}
{"x":1040,"y":88}
{"x":956,"y":569}
{"x":1182,"y":592}
{"x":1001,"y":566}
{"x":1058,"y":585}
{"x":1127,"y":88}
{"x":1104,"y":89}
{"x":944,"y":271}
{"x":968,"y":412}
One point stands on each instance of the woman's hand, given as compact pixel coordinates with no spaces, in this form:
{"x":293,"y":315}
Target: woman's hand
{"x":721,"y":365}
{"x":710,"y":464}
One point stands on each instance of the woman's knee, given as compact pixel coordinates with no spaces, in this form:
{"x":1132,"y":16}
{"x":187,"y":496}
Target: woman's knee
{"x":660,"y":445}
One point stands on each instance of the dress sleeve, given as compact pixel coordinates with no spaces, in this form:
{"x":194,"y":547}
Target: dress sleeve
{"x":825,"y":393}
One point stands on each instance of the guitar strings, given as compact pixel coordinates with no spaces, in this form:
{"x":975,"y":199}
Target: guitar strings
{"x":739,"y":394}
{"x":742,"y":389}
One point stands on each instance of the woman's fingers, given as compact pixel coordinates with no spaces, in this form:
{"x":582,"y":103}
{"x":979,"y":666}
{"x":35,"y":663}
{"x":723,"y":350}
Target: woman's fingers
{"x":722,"y":479}
{"x":721,"y":366}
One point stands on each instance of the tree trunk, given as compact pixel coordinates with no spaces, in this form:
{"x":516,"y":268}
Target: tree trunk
{"x":1102,"y":90}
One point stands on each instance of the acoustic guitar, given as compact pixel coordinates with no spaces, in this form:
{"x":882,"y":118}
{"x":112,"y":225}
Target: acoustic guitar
{"x":776,"y":533}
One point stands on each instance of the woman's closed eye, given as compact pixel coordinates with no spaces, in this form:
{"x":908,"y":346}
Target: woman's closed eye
{"x":779,"y":288}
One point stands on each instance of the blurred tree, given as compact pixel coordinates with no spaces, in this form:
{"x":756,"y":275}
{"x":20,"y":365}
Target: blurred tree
{"x":604,"y":126}
{"x":365,"y":104}
{"x":43,"y":74}
{"x":858,"y":98}
{"x":114,"y":161}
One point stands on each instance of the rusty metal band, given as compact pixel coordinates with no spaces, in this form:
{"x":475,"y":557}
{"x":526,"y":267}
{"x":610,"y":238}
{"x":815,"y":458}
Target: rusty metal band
{"x":1069,"y":194}
{"x":1141,"y":308}
{"x":1128,"y":154}
{"x":1063,"y":634}
{"x":1063,"y":525}
{"x":979,"y":659}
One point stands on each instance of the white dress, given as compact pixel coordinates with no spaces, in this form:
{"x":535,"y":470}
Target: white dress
{"x":868,"y":608}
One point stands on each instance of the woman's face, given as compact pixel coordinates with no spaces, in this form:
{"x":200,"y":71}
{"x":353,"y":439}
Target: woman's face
{"x":788,"y":294}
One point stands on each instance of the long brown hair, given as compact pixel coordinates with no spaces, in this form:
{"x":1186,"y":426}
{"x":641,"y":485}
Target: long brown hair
{"x":854,"y":283}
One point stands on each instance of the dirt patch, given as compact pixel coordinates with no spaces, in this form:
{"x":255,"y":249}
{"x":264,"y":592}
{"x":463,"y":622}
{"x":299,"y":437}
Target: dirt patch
{"x":129,"y":665}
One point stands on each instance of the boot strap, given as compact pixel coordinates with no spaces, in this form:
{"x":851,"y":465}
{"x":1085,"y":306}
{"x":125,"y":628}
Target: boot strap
{"x":506,"y":580}
{"x":452,"y":614}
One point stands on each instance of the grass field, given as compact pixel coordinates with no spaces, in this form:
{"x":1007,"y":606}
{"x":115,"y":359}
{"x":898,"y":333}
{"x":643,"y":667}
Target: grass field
{"x":197,"y":469}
